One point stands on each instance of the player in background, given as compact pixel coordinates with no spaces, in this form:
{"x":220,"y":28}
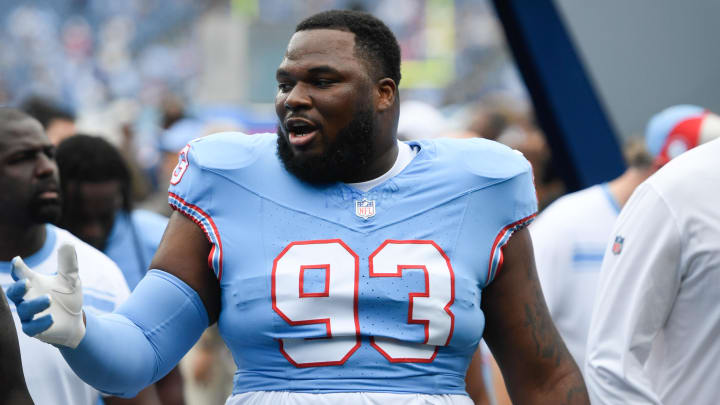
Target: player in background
{"x":96,"y":186}
{"x":97,"y":208}
{"x":571,"y":234}
{"x":653,"y":337}
{"x":342,"y":266}
{"x":29,"y":201}
{"x":13,"y":390}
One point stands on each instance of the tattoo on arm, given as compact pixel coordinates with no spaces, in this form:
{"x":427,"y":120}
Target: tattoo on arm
{"x":543,"y":331}
{"x":537,"y":366}
{"x":549,"y":347}
{"x":576,"y":394}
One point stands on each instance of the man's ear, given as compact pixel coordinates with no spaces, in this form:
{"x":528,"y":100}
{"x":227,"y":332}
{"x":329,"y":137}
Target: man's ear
{"x":386,"y":92}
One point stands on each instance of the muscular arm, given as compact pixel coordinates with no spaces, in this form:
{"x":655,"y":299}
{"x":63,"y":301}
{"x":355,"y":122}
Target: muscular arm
{"x":12,"y":381}
{"x":534,"y":361}
{"x":170,"y":388}
{"x":183,"y":252}
{"x":181,"y":237}
{"x":160,"y":321}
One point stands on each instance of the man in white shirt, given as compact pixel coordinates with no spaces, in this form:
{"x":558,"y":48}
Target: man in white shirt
{"x":654,"y":333}
{"x":571,"y":234}
{"x":29,"y":198}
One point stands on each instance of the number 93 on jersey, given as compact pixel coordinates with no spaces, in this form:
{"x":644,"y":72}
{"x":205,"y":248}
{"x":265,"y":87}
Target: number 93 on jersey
{"x":318,"y":282}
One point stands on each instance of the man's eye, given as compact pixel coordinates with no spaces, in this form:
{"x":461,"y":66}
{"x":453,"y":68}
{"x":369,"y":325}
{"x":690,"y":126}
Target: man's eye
{"x":20,"y":157}
{"x":323,"y":82}
{"x":50,"y":153}
{"x":284,"y":87}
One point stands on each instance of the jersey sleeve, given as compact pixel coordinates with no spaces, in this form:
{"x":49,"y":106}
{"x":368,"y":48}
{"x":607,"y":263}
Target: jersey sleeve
{"x":186,"y":182}
{"x":499,"y":181}
{"x":516,"y":207}
{"x":639,"y":280}
{"x":190,"y":193}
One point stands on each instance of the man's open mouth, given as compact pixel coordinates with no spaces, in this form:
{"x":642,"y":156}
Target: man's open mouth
{"x":300,"y":131}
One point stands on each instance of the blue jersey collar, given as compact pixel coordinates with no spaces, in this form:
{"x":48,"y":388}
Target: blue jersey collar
{"x":611,"y":199}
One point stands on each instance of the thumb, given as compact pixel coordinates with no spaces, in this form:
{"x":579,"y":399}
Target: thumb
{"x":20,"y":270}
{"x":67,"y":263}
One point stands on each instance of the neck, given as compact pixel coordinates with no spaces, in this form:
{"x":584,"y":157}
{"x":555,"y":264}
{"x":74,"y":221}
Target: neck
{"x":622,"y":187}
{"x":379,"y":166}
{"x":20,"y":240}
{"x":385,"y":139}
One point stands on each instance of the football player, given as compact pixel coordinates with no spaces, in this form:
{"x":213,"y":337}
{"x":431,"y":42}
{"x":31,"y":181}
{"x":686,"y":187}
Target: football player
{"x":341,"y":265}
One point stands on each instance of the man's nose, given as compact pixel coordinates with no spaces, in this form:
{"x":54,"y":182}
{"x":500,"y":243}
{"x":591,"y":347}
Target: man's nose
{"x":298,"y":98}
{"x":45,"y":166}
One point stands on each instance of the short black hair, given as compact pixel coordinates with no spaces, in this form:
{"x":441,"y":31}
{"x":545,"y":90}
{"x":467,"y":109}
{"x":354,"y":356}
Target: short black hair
{"x":373,"y":39}
{"x":636,"y":154}
{"x":46,"y":110}
{"x":91,"y":159}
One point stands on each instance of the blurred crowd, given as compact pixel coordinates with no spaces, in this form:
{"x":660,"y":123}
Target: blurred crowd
{"x":128,"y":72}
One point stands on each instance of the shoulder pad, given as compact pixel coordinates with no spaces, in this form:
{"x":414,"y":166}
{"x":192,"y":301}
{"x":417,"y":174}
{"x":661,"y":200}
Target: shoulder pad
{"x":483,"y":158}
{"x":231,"y":150}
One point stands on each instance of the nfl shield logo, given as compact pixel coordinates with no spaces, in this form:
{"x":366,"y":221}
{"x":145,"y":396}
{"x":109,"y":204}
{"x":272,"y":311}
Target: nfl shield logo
{"x":365,"y":208}
{"x":617,"y":245}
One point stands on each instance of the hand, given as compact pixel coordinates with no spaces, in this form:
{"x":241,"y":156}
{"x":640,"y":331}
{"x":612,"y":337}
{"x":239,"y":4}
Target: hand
{"x":50,"y":307}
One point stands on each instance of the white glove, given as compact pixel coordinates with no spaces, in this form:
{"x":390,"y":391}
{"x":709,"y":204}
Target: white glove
{"x":64,"y":290}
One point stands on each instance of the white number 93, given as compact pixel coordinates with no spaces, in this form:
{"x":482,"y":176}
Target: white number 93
{"x":336,"y":306}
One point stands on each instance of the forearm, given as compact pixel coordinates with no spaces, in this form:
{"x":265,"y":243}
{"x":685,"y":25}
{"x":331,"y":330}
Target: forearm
{"x":115,"y":356}
{"x":565,"y":386}
{"x":143,"y":340}
{"x":535,"y":363}
{"x":13,"y":389}
{"x":15,"y":396}
{"x":553,"y":379}
{"x":170,"y":388}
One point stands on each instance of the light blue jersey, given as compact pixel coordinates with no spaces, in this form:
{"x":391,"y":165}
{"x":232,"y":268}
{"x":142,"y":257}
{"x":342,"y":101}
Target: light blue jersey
{"x":132,"y":242}
{"x":329,"y":289}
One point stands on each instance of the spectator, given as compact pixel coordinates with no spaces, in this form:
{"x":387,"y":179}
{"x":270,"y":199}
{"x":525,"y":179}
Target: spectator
{"x":571,"y":235}
{"x":653,"y":337}
{"x":29,"y":202}
{"x":171,"y":141}
{"x":98,"y":209}
{"x":98,"y":206}
{"x":59,"y":122}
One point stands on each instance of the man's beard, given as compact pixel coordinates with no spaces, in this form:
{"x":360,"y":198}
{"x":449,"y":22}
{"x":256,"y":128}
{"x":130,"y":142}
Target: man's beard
{"x":42,"y":211}
{"x":343,"y":159}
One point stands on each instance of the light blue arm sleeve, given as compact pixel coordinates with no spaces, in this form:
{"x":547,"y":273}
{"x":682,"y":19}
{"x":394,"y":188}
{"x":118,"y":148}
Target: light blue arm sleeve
{"x":141,"y":341}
